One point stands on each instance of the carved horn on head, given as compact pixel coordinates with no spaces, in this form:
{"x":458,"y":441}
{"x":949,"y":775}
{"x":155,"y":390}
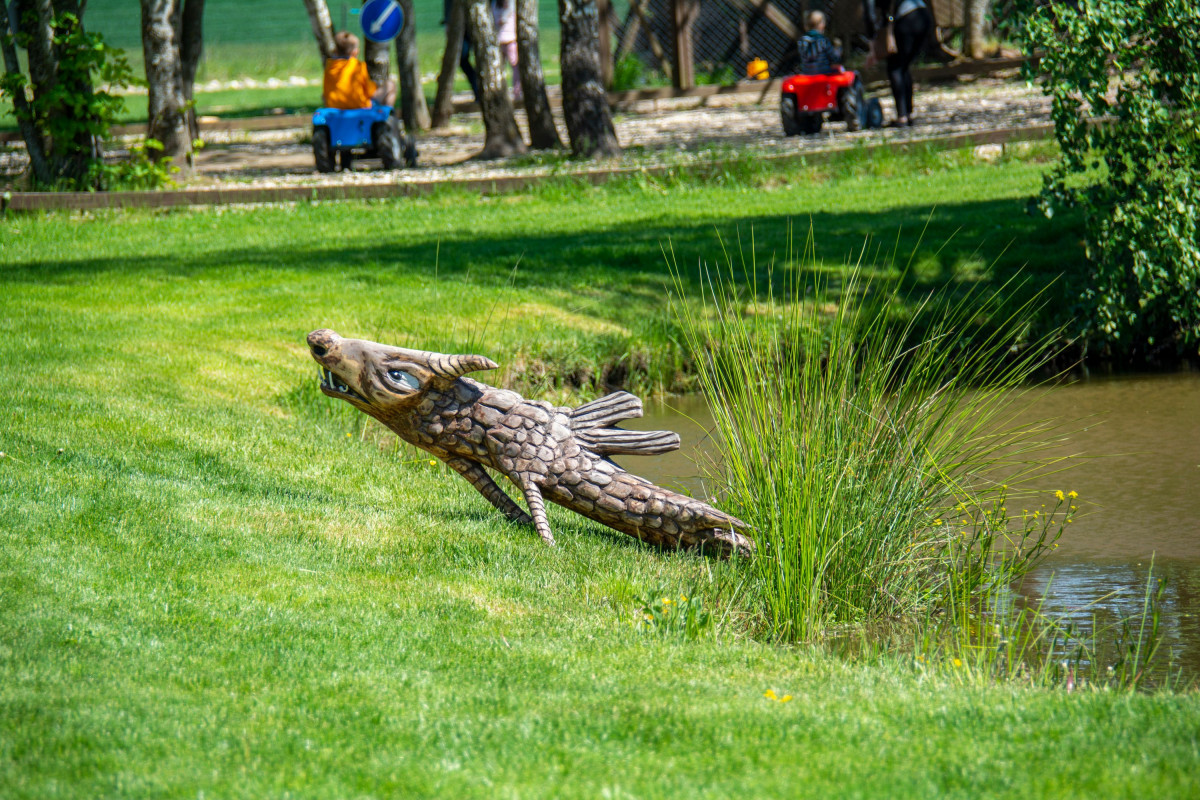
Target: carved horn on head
{"x":453,"y":366}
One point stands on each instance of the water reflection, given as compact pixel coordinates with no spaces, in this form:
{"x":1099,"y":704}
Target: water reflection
{"x":1139,"y":487}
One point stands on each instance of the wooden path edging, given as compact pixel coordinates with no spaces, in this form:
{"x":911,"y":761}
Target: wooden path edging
{"x":47,"y":201}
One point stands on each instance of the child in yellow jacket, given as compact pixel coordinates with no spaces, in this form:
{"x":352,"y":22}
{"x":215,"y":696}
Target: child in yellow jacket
{"x":347,"y":83}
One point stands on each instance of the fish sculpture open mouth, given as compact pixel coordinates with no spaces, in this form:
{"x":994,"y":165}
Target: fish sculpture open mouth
{"x":333,"y":386}
{"x":548,"y":452}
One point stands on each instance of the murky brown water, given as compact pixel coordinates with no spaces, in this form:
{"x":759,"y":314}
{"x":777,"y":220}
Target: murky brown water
{"x":1138,"y":481}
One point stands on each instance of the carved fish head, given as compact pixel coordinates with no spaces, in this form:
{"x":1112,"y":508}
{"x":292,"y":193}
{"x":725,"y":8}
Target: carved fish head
{"x":381,"y":380}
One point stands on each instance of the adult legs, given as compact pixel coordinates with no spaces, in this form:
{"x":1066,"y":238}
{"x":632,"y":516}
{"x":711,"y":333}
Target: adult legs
{"x":910,"y":31}
{"x":464,"y":63}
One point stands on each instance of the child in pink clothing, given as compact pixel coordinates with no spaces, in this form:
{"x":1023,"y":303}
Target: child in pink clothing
{"x":504,"y":17}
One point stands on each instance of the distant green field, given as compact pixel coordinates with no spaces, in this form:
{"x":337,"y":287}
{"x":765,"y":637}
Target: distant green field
{"x":263,"y":22}
{"x":272,"y":38}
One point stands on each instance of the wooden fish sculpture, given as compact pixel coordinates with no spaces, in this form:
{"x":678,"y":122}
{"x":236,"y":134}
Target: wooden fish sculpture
{"x":549,"y":453}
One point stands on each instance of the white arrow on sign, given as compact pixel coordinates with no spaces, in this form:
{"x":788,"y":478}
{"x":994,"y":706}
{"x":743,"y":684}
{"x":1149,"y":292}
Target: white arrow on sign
{"x":377,"y":25}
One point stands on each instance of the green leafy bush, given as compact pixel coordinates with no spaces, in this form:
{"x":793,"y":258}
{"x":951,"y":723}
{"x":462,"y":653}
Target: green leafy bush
{"x":77,"y":109}
{"x":1124,"y":76}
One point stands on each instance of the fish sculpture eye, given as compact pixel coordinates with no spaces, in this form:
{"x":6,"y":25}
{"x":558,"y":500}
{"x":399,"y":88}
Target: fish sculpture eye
{"x":405,"y":379}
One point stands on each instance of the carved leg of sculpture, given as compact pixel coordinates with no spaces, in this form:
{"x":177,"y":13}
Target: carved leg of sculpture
{"x":533,"y":498}
{"x":479,"y":478}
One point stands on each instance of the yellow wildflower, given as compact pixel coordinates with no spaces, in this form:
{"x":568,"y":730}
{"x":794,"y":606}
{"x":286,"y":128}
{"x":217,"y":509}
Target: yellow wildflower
{"x":937,"y":522}
{"x":683,"y":598}
{"x":1059,"y":494}
{"x":1072,"y":494}
{"x":432,"y":463}
{"x":770,"y":694}
{"x":348,"y":435}
{"x":958,"y":662}
{"x":786,"y":698}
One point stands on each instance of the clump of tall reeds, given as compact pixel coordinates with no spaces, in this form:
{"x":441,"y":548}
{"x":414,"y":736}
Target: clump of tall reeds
{"x":852,"y":424}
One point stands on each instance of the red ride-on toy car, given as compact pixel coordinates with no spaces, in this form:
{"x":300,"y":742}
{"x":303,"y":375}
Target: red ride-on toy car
{"x":807,"y":98}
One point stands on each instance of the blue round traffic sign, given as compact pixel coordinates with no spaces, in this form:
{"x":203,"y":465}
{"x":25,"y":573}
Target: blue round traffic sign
{"x":381,"y":19}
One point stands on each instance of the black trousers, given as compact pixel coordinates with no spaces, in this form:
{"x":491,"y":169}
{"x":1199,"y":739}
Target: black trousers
{"x":910,"y":31}
{"x":464,"y":63}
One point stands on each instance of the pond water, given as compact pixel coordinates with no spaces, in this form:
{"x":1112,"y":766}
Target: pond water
{"x":1139,"y":484}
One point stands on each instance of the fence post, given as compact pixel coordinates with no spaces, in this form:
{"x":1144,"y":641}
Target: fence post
{"x":604,"y":12}
{"x":683,"y":16}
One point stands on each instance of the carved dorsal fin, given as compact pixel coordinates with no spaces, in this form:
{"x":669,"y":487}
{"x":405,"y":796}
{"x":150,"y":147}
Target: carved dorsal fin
{"x":456,"y":366}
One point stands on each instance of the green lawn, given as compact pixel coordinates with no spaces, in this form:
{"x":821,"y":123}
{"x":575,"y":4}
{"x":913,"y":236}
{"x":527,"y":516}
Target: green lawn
{"x":215,"y":581}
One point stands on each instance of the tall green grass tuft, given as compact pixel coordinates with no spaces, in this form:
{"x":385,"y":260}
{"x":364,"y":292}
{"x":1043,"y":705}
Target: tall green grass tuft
{"x":866,"y":448}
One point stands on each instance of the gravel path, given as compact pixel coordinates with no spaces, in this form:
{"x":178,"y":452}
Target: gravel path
{"x":654,"y":132}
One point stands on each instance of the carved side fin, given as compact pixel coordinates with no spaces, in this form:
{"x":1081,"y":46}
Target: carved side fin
{"x":611,"y":441}
{"x":607,"y":411}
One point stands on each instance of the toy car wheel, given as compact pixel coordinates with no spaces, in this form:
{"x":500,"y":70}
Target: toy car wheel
{"x":322,"y":149}
{"x":850,"y":102}
{"x":872,"y":114}
{"x":811,"y":123}
{"x":387,"y":145}
{"x":787,"y":114}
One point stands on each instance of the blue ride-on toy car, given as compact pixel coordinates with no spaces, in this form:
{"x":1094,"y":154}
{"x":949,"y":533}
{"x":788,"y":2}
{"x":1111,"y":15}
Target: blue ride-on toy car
{"x":367,"y":132}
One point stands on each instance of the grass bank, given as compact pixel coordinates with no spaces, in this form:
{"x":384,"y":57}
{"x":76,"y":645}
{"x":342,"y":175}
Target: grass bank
{"x":567,"y":284}
{"x":213,"y":580}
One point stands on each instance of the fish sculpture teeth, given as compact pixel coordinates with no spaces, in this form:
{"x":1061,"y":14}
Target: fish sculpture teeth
{"x":548,"y":452}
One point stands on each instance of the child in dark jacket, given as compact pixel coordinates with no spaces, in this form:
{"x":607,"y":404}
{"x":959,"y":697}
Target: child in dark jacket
{"x":817,"y":54}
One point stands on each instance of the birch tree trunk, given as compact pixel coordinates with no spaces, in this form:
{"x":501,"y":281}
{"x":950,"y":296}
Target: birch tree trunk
{"x":322,"y":27}
{"x":542,"y":133}
{"x":375,"y":56}
{"x":585,"y":104}
{"x":413,"y":110}
{"x":502,"y":138}
{"x":443,"y":102}
{"x":163,"y":74}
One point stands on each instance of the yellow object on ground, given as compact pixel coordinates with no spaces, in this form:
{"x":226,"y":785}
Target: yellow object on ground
{"x":756,"y":70}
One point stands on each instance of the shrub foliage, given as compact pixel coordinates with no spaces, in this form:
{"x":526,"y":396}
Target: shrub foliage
{"x":1124,"y":76}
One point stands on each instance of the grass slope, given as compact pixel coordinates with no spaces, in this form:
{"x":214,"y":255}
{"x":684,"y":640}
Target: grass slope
{"x":225,"y":584}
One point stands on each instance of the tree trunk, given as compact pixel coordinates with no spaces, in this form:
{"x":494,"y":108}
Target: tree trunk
{"x":322,"y":27}
{"x":443,"y":102}
{"x":375,"y":56}
{"x":70,"y":155}
{"x":502,"y":138}
{"x":542,"y":133}
{"x":37,"y":16}
{"x":163,"y":75}
{"x":413,"y":110}
{"x":585,"y":104}
{"x":34,"y":145}
{"x":974,"y":27}
{"x":191,"y":46}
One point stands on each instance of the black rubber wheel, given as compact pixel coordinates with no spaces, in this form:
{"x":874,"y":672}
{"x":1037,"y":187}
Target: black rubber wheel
{"x":872,"y":114}
{"x":850,"y":103}
{"x":386,"y":144}
{"x":323,"y":150}
{"x":410,"y":152}
{"x":347,"y":159}
{"x":787,"y":115}
{"x":811,"y":123}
